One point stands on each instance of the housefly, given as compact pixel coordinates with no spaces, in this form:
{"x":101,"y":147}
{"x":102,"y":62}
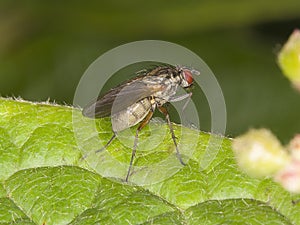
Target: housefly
{"x":135,"y":101}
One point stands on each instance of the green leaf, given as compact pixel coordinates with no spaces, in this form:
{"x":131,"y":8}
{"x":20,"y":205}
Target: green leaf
{"x":50,"y":174}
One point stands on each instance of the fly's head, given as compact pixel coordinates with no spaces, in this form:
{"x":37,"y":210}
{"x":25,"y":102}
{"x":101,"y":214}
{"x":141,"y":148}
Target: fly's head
{"x":186,"y":76}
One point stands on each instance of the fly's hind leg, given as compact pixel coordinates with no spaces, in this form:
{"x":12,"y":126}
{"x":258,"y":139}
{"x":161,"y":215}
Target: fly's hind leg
{"x":107,"y":144}
{"x":164,"y":111}
{"x":101,"y":149}
{"x":141,"y":126}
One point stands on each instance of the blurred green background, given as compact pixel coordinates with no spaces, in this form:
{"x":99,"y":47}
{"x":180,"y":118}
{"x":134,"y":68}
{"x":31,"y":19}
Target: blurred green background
{"x":45,"y":47}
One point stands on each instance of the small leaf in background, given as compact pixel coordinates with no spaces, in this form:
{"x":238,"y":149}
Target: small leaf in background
{"x":289,"y":59}
{"x":259,"y":153}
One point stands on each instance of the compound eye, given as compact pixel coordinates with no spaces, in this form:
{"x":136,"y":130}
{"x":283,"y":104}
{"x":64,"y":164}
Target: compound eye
{"x":188,"y":76}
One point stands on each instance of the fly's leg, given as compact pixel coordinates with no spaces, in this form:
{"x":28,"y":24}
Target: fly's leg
{"x":180,"y":98}
{"x":164,"y":111}
{"x":107,"y":144}
{"x":101,"y":149}
{"x":141,"y":126}
{"x":187,"y":102}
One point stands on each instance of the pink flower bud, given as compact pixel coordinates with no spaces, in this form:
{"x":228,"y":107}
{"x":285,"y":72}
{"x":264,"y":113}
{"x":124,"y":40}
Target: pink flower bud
{"x":289,"y":177}
{"x":259,"y":153}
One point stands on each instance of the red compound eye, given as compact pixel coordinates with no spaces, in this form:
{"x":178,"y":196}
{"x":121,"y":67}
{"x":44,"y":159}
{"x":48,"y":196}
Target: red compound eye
{"x":188,"y":76}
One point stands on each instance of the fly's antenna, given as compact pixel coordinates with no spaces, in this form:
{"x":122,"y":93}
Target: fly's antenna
{"x":190,"y":68}
{"x":195,"y":72}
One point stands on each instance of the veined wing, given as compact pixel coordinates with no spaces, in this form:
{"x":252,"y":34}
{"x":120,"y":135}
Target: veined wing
{"x":119,"y":98}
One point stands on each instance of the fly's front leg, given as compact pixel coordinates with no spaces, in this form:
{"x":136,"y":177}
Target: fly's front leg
{"x":180,"y":98}
{"x":164,"y":111}
{"x":141,"y":126}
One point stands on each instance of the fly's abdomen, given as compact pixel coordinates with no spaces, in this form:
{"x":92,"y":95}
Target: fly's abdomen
{"x":131,"y":115}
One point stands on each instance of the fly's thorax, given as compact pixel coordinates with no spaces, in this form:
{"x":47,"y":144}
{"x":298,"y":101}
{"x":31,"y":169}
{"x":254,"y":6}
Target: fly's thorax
{"x":166,"y":84}
{"x":131,"y":116}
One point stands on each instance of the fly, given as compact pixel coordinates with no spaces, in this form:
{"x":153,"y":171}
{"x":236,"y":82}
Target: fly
{"x":135,"y":101}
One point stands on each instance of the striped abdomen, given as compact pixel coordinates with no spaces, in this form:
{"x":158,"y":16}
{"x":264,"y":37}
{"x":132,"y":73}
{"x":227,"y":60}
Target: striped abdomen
{"x":131,"y":115}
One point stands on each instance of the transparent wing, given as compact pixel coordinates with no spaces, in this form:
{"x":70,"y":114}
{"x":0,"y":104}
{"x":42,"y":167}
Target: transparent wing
{"x":119,"y":98}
